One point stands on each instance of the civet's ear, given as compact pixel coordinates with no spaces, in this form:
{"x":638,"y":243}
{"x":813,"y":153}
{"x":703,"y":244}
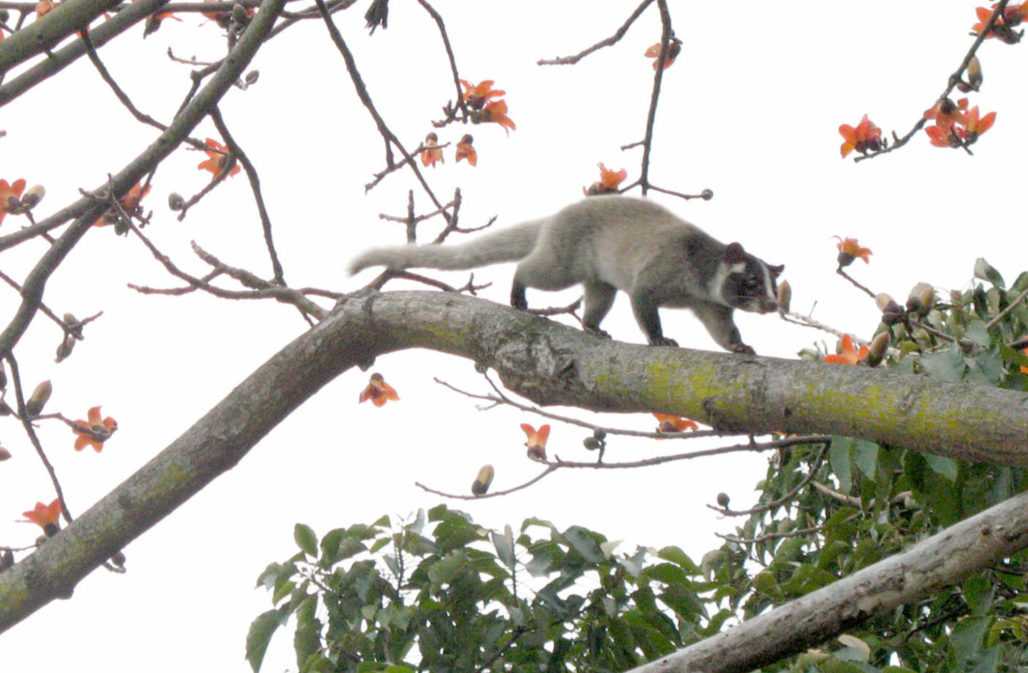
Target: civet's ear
{"x":776,"y":271}
{"x":734,"y":253}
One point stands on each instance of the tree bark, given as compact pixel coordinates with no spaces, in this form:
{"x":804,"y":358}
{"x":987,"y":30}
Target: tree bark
{"x":546,"y":362}
{"x":935,"y":562}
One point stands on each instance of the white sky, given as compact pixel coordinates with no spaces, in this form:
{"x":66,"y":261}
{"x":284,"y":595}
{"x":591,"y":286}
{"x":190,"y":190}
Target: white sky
{"x":749,"y":110}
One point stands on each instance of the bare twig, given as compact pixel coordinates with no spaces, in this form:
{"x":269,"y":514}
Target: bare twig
{"x":613,"y":39}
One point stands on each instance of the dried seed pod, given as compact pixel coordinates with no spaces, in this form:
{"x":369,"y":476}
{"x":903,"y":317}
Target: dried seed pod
{"x":921,"y":299}
{"x":784,"y":297}
{"x":485,"y":477}
{"x":879,"y":346}
{"x":40,"y":396}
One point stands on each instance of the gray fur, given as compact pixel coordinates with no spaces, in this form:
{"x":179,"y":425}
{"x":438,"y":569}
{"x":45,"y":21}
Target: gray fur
{"x":610,"y":243}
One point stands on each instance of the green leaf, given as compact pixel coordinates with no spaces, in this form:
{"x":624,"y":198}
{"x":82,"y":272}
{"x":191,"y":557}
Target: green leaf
{"x":985,"y":271}
{"x":584,"y":542}
{"x":945,"y":365}
{"x":306,"y":539}
{"x":260,"y":634}
{"x":947,"y":467}
{"x":504,"y":545}
{"x":679,"y":558}
{"x":307,"y":639}
{"x":282,"y":590}
{"x":865,"y":455}
{"x":968,"y":636}
{"x":839,"y":457}
{"x":447,"y":568}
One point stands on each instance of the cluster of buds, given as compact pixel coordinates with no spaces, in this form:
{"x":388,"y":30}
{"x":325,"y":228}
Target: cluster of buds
{"x":596,"y":442}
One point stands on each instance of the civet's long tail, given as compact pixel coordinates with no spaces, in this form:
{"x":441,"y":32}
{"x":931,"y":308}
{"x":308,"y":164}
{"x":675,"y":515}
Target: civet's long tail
{"x":505,"y":245}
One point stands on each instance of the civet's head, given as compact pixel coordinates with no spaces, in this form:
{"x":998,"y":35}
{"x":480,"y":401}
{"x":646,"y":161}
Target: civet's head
{"x":747,"y":282}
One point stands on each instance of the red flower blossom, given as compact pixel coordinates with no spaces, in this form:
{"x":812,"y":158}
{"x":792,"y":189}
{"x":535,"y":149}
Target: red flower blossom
{"x":674,"y":48}
{"x":535,"y":440}
{"x":672,"y":423}
{"x":465,"y":150}
{"x":47,"y":517}
{"x":849,"y":250}
{"x":477,"y":95}
{"x":496,"y":112}
{"x":848,"y":354}
{"x":129,"y":203}
{"x":95,"y":431}
{"x":218,"y":157}
{"x":378,"y":391}
{"x":431,"y":154}
{"x":864,"y":137}
{"x":7,"y":192}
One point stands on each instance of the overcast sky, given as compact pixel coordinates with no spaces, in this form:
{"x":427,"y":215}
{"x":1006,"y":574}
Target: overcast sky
{"x":749,"y":110}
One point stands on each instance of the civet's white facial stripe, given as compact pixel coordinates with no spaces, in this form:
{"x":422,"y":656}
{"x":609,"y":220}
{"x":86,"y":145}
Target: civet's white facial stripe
{"x":717,"y":282}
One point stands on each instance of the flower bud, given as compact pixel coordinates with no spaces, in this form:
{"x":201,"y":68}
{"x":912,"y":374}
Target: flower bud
{"x":40,"y":396}
{"x":891,"y":311}
{"x":974,"y":73}
{"x":784,"y":297}
{"x":251,"y":77}
{"x":876,"y":352}
{"x":485,"y":477}
{"x":175,"y":201}
{"x":118,"y":559}
{"x":64,"y":350}
{"x":30,"y":199}
{"x":707,"y":194}
{"x":921,"y":299}
{"x":4,"y":454}
{"x":722,"y":500}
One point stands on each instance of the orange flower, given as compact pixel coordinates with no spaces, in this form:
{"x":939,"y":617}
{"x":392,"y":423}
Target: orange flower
{"x":608,"y":182}
{"x":217,"y":158}
{"x":1024,"y":368}
{"x":1012,"y":16}
{"x":849,"y":250}
{"x":43,"y":8}
{"x":466,"y":151}
{"x":946,"y":113}
{"x":46,"y":517}
{"x":848,"y":354}
{"x":477,"y":95}
{"x":672,"y":423}
{"x":95,"y":431}
{"x":378,"y":391}
{"x":129,"y":203}
{"x":946,"y":136}
{"x":431,"y":154}
{"x":674,"y":48}
{"x":977,"y":126}
{"x":496,"y":112}
{"x":864,"y":137}
{"x":223,"y":18}
{"x":8,"y":192}
{"x":535,"y":440}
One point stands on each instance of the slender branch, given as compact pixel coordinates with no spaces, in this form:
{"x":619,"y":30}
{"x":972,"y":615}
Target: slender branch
{"x":1010,"y":307}
{"x":461,"y":104}
{"x":613,"y":39}
{"x":255,"y":185}
{"x":815,"y":466}
{"x":952,"y":82}
{"x":665,"y":43}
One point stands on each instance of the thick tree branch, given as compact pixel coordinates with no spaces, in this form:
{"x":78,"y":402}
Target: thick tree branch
{"x":38,"y":37}
{"x":550,"y":364}
{"x":938,"y":561}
